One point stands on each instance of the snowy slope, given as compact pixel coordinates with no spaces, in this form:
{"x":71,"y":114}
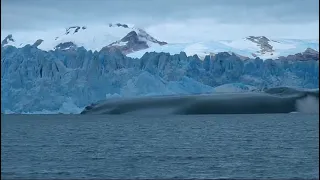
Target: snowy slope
{"x":92,"y":38}
{"x":242,"y":47}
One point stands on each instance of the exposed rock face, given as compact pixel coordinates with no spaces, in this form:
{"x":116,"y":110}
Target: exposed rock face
{"x":74,"y":29}
{"x":37,"y":43}
{"x":144,"y":34}
{"x":133,"y":42}
{"x":7,"y":39}
{"x":263,"y":43}
{"x":119,"y":25}
{"x":66,"y":46}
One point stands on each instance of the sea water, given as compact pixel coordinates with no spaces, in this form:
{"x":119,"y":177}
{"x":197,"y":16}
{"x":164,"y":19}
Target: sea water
{"x":186,"y":146}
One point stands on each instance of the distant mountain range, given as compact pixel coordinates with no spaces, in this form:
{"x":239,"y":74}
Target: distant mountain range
{"x":134,"y":42}
{"x":121,"y":36}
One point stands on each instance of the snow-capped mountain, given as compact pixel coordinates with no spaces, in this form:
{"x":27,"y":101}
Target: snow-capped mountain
{"x":135,"y":42}
{"x":33,"y":80}
{"x":121,"y":36}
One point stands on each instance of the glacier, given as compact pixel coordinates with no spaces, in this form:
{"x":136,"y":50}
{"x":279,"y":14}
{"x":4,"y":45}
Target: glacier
{"x":34,"y":80}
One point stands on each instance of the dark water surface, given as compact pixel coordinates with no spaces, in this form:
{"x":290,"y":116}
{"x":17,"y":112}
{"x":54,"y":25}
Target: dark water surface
{"x":213,"y":146}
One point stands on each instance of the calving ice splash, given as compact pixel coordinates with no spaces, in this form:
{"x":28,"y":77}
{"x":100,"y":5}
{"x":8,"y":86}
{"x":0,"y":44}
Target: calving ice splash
{"x":275,"y":100}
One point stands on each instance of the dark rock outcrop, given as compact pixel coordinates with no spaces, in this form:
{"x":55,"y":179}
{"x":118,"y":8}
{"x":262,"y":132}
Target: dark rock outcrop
{"x":7,"y":39}
{"x":263,"y":43}
{"x":37,"y":43}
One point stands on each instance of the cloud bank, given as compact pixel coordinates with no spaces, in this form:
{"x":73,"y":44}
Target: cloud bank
{"x":171,"y":20}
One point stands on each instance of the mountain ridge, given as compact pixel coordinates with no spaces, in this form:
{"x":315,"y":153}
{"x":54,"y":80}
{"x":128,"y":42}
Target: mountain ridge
{"x":77,"y":36}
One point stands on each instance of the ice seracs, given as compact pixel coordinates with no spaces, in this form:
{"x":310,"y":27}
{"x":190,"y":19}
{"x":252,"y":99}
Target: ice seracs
{"x":35,"y":80}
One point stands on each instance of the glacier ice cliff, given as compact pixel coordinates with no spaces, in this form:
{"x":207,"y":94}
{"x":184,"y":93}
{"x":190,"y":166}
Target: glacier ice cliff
{"x":34,"y":80}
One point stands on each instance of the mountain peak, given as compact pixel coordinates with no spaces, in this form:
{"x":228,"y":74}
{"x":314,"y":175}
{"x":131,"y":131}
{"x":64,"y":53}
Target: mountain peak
{"x":7,"y":39}
{"x":135,"y":40}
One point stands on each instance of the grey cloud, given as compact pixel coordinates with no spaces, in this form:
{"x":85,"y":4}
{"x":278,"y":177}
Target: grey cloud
{"x":35,"y":14}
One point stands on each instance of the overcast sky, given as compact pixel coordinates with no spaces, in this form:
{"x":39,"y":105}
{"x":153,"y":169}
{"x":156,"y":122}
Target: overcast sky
{"x":171,"y":20}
